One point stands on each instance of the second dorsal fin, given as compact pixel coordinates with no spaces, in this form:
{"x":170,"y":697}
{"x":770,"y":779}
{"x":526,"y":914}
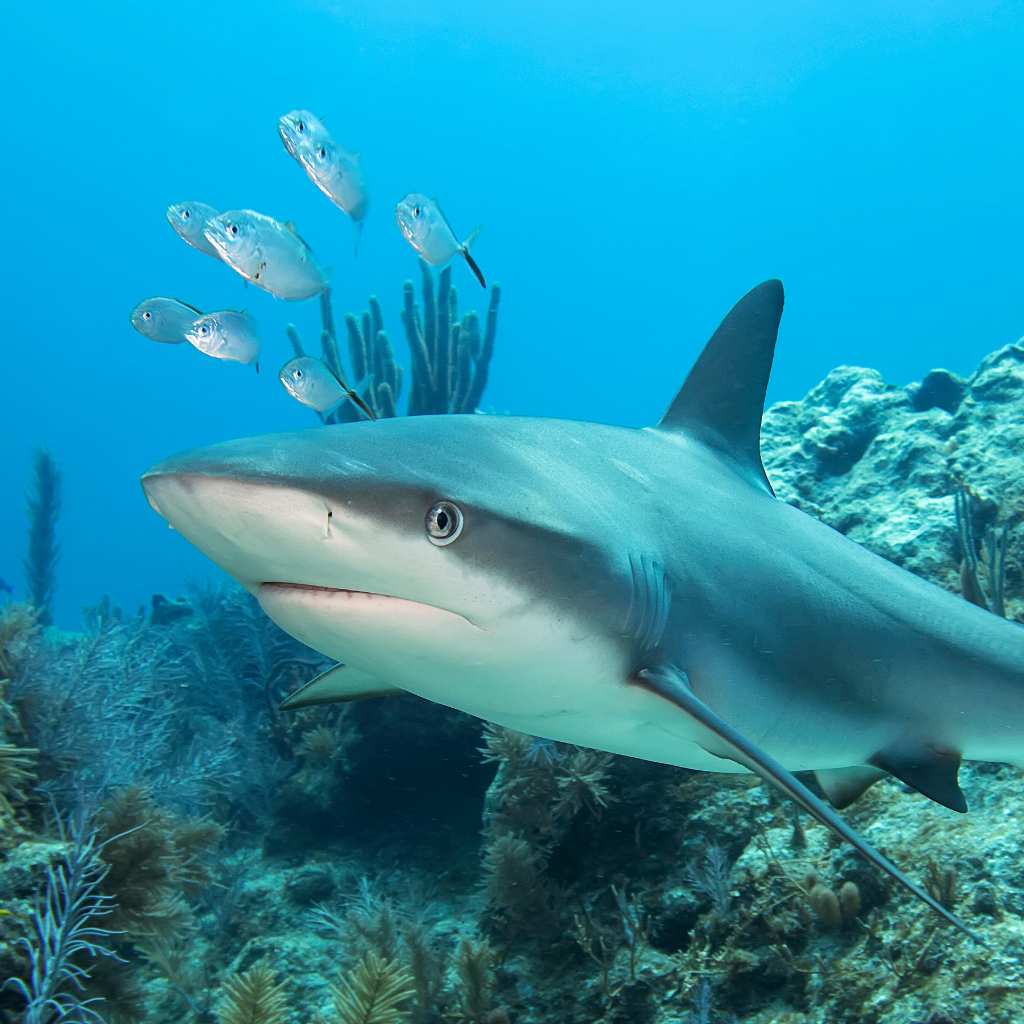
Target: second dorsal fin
{"x":722,"y":399}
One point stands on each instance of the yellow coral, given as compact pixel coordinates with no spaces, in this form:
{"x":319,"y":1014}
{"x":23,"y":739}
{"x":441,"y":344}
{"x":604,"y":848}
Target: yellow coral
{"x":373,"y":992}
{"x":253,"y":997}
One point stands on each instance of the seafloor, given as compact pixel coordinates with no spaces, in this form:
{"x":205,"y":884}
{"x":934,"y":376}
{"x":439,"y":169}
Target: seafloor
{"x":394,"y":860}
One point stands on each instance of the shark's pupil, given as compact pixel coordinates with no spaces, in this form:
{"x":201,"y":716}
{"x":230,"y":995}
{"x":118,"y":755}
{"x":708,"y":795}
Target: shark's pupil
{"x":444,"y":523}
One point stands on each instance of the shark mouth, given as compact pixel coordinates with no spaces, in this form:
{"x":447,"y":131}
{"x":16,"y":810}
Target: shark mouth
{"x":317,"y":588}
{"x":283,"y":589}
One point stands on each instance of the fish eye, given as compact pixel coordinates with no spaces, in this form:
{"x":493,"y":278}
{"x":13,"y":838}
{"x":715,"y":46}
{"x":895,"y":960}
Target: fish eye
{"x":322,"y":153}
{"x":300,"y":127}
{"x":147,"y":315}
{"x":234,"y":229}
{"x":444,"y":523}
{"x":185,"y":214}
{"x":416,"y":211}
{"x":297,"y":374}
{"x":204,"y":330}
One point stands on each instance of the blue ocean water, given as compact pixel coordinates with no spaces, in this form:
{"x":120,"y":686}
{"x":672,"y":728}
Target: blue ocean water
{"x":635,"y":168}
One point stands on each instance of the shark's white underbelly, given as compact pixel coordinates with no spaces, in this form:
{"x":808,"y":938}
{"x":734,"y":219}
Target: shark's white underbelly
{"x":531,"y":680}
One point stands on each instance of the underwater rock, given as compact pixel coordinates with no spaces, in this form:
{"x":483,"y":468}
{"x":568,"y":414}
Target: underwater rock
{"x":311,"y":885}
{"x":882,"y":464}
{"x":164,"y":612}
{"x":940,"y":389}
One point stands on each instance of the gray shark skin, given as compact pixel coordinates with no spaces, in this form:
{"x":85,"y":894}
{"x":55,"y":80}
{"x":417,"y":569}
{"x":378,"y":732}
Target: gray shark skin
{"x":638,"y":591}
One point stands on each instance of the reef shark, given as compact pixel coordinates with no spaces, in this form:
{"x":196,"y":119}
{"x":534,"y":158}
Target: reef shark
{"x":640,"y":591}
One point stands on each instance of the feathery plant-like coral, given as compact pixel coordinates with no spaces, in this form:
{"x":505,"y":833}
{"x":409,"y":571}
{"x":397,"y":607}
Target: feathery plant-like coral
{"x":474,"y":964}
{"x":18,"y":629}
{"x":117,"y":688}
{"x":541,"y":787}
{"x":43,"y":510}
{"x":67,"y":934}
{"x":253,"y":997}
{"x":159,"y":860}
{"x":373,"y":992}
{"x":536,"y":794}
{"x":711,"y":876}
{"x":17,"y":771}
{"x":992,"y":559}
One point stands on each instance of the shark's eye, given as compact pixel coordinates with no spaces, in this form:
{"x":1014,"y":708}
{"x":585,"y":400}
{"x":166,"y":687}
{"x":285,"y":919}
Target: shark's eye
{"x":444,"y":523}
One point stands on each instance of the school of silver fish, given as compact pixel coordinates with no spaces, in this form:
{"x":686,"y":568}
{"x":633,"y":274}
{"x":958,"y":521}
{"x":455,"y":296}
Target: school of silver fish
{"x":271,"y":255}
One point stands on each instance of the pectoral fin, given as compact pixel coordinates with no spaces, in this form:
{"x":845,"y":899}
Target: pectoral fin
{"x":672,"y":684}
{"x":338,"y":685}
{"x":843,"y":786}
{"x":929,"y":769}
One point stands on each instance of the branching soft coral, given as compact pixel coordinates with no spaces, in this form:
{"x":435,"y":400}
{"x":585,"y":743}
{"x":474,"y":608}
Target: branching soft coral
{"x":68,"y":934}
{"x":19,"y":626}
{"x":43,"y":510}
{"x":159,"y":859}
{"x":514,"y":883}
{"x":541,"y":786}
{"x":373,"y":992}
{"x":474,"y":963}
{"x":253,"y":997}
{"x":17,"y":771}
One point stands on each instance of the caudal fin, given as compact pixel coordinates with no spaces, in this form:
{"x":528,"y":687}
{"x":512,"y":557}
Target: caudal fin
{"x":473,"y":266}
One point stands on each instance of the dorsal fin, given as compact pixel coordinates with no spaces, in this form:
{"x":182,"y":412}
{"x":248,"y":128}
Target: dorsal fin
{"x":722,"y":399}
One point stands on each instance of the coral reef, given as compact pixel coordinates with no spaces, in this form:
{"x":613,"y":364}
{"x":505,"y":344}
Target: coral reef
{"x":450,"y":358}
{"x":390,"y":861}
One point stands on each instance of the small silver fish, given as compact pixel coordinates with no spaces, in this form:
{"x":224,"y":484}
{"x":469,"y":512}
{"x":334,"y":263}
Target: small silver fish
{"x":297,"y":127}
{"x":310,"y":381}
{"x":268,"y":253}
{"x":165,"y":320}
{"x":189,"y":221}
{"x":427,"y":230}
{"x":332,"y":168}
{"x":228,"y":334}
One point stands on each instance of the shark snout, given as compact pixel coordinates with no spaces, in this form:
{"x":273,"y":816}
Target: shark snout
{"x":256,"y":530}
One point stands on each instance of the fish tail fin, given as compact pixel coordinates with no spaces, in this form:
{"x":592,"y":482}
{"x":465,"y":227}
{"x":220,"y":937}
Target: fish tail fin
{"x":478,"y":273}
